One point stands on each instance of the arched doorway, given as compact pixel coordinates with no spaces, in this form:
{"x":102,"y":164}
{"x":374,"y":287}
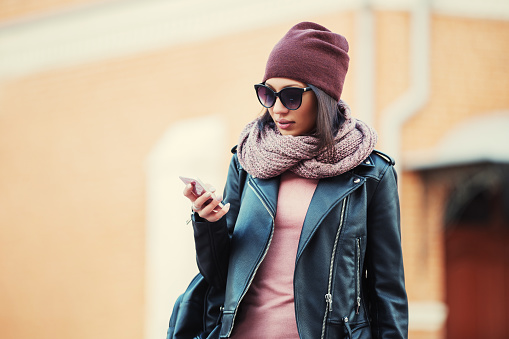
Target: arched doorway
{"x":466,"y":195}
{"x":477,"y":253}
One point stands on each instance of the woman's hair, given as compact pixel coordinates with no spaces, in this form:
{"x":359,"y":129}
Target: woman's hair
{"x":331,"y":115}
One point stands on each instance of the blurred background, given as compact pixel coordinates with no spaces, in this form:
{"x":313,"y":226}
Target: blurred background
{"x":104,"y":103}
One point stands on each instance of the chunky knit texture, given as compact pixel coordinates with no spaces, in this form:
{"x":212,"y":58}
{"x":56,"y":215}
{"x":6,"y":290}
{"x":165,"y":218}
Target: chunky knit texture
{"x":312,"y":54}
{"x":266,"y":153}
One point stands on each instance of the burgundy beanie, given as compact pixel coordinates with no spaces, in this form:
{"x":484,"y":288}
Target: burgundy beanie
{"x":312,"y":54}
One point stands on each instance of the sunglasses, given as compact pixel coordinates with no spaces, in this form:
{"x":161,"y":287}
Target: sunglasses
{"x":291,"y":97}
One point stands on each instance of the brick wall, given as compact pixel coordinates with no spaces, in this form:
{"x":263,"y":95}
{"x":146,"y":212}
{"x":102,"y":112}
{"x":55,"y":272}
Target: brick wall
{"x":13,"y":10}
{"x":468,"y":79}
{"x":470,"y":64}
{"x":73,"y":143}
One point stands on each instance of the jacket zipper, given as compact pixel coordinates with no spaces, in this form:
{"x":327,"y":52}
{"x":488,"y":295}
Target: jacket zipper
{"x":358,"y":276}
{"x":328,"y":296}
{"x":347,"y":326}
{"x":259,"y":262}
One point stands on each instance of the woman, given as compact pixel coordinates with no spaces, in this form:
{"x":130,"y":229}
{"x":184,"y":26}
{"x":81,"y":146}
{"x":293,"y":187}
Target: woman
{"x":307,"y":244}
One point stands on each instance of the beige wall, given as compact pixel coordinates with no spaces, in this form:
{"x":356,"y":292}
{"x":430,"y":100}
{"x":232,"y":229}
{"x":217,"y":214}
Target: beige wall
{"x":74,"y":143}
{"x":13,"y":10}
{"x":468,"y":78}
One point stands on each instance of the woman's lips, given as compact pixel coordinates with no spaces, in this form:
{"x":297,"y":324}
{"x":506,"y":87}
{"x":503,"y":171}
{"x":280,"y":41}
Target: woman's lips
{"x":284,"y":124}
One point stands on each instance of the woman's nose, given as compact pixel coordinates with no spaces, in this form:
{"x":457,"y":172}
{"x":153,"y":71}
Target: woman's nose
{"x":279,"y":108}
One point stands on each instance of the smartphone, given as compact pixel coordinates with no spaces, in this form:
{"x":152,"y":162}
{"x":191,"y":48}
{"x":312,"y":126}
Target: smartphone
{"x":198,"y":188}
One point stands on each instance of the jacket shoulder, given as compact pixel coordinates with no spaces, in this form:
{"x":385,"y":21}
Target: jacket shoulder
{"x":375,"y":165}
{"x":234,"y":163}
{"x":386,"y":157}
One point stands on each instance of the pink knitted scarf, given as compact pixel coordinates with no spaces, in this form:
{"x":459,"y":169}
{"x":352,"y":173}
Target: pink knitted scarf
{"x":266,"y":153}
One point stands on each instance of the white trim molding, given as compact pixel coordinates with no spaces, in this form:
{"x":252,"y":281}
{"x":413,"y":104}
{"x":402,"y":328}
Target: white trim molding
{"x":485,"y":9}
{"x":82,"y":34}
{"x":170,"y":251}
{"x":458,"y":147}
{"x":409,"y":103}
{"x":426,"y":315}
{"x":366,"y":69}
{"x":118,"y":28}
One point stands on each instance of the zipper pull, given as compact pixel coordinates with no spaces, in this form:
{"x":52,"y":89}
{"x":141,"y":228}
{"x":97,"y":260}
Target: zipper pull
{"x":347,"y":326}
{"x":221,"y":309}
{"x":328,"y":300}
{"x":358,"y":305}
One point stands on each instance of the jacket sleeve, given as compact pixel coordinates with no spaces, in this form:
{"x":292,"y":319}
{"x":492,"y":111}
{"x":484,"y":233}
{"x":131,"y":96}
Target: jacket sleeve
{"x":384,"y":262}
{"x":212,"y":239}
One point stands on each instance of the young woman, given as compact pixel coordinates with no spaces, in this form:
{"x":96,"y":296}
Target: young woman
{"x":307,"y":244}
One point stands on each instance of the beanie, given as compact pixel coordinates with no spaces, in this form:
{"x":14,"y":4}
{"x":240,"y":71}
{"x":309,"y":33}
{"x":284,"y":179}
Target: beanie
{"x":312,"y":54}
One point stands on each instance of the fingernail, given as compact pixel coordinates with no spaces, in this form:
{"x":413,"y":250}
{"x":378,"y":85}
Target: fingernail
{"x":212,"y":188}
{"x":208,"y":194}
{"x":188,"y":186}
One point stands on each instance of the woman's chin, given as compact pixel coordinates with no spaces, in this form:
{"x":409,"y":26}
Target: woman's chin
{"x":286,"y":132}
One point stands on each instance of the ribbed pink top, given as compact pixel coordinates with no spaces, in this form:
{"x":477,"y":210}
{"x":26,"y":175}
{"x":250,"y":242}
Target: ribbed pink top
{"x":267,"y":310}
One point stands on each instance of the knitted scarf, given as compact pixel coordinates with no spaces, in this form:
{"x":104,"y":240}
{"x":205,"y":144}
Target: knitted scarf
{"x":267,"y":153}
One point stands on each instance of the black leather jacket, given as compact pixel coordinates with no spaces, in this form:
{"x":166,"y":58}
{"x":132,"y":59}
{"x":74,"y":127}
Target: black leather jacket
{"x":348,"y":281}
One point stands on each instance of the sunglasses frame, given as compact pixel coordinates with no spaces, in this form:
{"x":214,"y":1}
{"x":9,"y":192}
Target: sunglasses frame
{"x":278,"y":95}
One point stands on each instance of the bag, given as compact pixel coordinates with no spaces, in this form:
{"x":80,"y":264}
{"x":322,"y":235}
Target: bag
{"x":197,"y":312}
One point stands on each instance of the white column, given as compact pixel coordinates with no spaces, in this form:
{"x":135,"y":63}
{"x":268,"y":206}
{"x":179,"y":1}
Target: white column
{"x":170,"y":252}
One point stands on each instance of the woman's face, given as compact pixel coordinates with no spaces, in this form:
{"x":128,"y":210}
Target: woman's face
{"x":301,"y":121}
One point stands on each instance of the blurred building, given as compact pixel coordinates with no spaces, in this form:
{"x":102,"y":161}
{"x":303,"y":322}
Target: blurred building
{"x":104,"y":103}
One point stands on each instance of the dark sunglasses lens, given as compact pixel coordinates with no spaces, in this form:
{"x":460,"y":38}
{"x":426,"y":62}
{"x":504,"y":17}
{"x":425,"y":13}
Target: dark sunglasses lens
{"x":291,"y":97}
{"x":266,"y":96}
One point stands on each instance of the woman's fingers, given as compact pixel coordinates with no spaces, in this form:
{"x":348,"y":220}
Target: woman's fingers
{"x":200,"y":202}
{"x":188,"y":192}
{"x":210,"y":205}
{"x":207,"y":205}
{"x":211,"y":214}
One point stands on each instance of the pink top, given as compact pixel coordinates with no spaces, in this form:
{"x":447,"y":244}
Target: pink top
{"x":267,"y":310}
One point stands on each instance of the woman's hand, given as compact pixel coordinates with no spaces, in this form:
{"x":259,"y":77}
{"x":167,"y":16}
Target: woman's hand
{"x":206,"y":205}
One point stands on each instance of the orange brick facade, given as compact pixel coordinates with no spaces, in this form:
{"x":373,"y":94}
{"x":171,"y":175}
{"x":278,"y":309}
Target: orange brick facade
{"x":13,"y":10}
{"x":74,"y":140}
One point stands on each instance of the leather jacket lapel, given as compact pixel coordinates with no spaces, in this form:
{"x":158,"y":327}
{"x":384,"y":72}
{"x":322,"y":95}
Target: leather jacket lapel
{"x":329,"y":192}
{"x":268,"y":190}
